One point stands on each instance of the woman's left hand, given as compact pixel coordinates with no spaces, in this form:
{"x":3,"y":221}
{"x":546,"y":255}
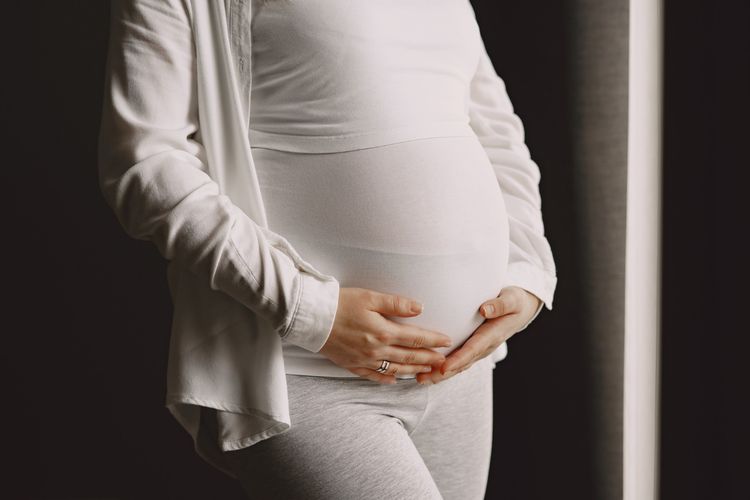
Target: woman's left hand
{"x":511,"y":310}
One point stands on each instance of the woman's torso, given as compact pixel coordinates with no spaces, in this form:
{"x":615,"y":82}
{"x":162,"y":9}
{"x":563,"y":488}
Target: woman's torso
{"x":366,"y":161}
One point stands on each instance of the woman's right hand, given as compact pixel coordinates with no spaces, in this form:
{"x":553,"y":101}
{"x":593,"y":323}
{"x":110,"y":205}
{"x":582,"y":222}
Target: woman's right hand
{"x":361,"y":336}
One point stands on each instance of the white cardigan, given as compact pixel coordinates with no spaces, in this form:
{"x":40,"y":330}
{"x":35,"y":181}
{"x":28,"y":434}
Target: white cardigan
{"x":175,"y":165}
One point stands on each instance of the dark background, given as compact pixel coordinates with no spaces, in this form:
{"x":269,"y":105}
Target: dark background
{"x":90,"y":310}
{"x":705,"y":341}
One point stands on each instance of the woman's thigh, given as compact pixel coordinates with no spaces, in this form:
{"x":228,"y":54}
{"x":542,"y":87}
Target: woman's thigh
{"x":454,"y":436}
{"x":348,"y":439}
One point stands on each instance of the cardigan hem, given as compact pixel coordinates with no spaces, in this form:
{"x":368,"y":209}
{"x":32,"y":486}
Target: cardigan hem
{"x":187,"y":410}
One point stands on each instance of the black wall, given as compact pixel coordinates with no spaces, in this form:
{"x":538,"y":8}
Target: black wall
{"x":705,"y":391}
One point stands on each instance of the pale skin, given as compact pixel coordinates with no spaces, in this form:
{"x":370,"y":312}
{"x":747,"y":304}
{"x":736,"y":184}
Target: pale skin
{"x":362,"y":336}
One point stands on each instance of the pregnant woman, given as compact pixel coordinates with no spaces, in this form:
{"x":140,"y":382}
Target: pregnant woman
{"x":388,"y":154}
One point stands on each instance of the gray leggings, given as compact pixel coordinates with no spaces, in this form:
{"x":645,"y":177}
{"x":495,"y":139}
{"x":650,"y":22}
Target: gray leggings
{"x":352,"y":438}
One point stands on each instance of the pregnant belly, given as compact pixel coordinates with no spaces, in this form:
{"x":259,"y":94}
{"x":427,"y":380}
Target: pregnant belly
{"x":424,"y":219}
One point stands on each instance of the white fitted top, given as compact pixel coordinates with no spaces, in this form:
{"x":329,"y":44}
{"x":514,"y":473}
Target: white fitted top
{"x":366,"y":161}
{"x":334,"y":75}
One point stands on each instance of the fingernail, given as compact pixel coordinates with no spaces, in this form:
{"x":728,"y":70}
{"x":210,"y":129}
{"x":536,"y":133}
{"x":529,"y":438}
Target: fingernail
{"x":488,"y":309}
{"x":448,"y":343}
{"x":425,"y":369}
{"x":416,"y":307}
{"x":426,"y":382}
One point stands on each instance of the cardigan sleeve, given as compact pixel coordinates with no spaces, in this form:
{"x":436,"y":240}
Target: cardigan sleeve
{"x":530,"y":263}
{"x":152,"y":173}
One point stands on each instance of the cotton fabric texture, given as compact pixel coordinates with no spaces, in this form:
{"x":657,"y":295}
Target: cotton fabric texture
{"x":176,"y":166}
{"x":404,"y":441}
{"x":423,"y":218}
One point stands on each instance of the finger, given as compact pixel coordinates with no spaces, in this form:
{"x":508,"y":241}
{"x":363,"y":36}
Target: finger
{"x":505,"y":303}
{"x":416,"y":337}
{"x":436,"y":376}
{"x":458,"y":362}
{"x":485,"y":339}
{"x":373,"y":375}
{"x":394,"y":305}
{"x":432,"y":377}
{"x":412,"y":356}
{"x":401,"y":368}
{"x":476,"y":346}
{"x":439,"y":373}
